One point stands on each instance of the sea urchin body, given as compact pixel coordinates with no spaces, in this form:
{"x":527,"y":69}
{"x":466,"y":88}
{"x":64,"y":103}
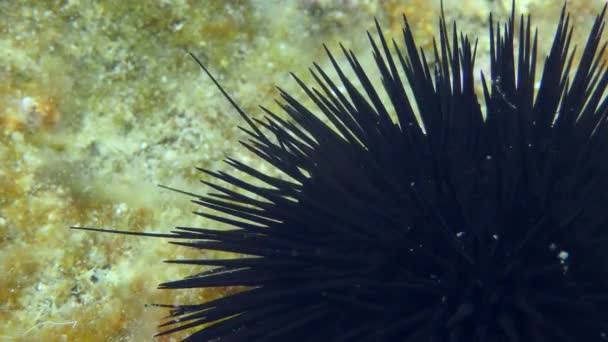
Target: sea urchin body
{"x":445,"y":225}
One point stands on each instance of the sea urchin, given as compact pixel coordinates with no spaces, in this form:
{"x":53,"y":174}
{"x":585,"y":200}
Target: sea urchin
{"x":431,"y":224}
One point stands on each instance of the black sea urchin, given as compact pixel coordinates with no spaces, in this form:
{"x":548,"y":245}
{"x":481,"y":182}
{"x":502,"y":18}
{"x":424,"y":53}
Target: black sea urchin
{"x":449,"y":227}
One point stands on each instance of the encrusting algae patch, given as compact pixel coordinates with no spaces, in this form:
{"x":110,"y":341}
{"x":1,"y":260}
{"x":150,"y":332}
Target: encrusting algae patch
{"x":99,"y":102}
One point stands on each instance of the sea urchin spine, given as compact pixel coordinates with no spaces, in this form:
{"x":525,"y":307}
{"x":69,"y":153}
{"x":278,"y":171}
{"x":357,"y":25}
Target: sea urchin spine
{"x":440,"y":226}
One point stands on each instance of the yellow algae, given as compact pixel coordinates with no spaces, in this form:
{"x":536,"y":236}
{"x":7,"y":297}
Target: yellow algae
{"x":424,"y":14}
